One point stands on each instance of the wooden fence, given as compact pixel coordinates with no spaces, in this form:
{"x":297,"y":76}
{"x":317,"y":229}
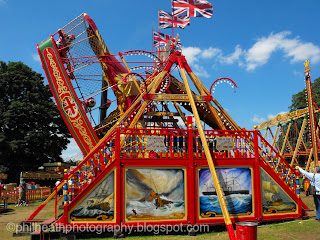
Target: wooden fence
{"x":12,"y":196}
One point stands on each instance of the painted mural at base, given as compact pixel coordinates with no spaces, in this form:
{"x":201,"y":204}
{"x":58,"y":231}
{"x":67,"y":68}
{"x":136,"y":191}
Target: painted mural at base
{"x":274,"y":199}
{"x":236,"y":184}
{"x":155,"y":194}
{"x":98,"y":205}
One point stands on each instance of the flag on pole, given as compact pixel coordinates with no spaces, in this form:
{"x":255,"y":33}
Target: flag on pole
{"x":166,"y":20}
{"x":192,"y":8}
{"x":160,"y":39}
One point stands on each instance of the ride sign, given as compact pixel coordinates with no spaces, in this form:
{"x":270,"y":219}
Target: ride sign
{"x":224,"y":143}
{"x":155,"y":143}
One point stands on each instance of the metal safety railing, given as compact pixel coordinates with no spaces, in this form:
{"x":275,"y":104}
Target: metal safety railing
{"x":132,"y":143}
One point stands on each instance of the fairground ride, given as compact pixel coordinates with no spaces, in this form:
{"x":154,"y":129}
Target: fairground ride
{"x":148,"y":157}
{"x":295,"y":135}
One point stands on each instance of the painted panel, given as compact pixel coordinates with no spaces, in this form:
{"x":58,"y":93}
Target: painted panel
{"x":274,"y":199}
{"x":236,"y":183}
{"x":66,"y":98}
{"x":98,"y":205}
{"x":155,"y":194}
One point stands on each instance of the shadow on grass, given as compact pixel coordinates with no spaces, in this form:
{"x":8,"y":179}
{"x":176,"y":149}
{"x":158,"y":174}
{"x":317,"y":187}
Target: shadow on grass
{"x":6,"y":211}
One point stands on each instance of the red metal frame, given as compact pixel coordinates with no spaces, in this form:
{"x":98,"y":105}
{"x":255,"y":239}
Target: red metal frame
{"x":229,"y":79}
{"x":191,"y":163}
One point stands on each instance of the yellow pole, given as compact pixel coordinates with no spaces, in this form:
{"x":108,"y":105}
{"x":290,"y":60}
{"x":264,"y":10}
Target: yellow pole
{"x":129,"y":71}
{"x":265,"y":133}
{"x":285,"y":139}
{"x":275,"y":136}
{"x":208,"y":154}
{"x":309,"y":159}
{"x":312,"y":121}
{"x":299,"y":141}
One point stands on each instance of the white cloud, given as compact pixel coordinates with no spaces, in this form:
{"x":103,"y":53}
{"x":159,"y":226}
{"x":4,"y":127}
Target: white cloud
{"x":292,"y":48}
{"x":233,"y":57}
{"x":200,"y":71}
{"x":257,"y":119}
{"x":261,"y":51}
{"x":195,"y":54}
{"x":73,"y":151}
{"x":191,"y":53}
{"x":301,"y":51}
{"x":35,"y":57}
{"x":210,"y":52}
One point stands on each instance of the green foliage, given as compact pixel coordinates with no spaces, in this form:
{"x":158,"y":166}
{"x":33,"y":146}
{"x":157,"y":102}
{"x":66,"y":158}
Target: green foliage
{"x":31,"y":129}
{"x":299,"y":100}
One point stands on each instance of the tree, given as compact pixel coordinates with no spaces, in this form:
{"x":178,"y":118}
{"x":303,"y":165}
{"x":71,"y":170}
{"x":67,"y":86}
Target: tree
{"x":299,"y":100}
{"x":31,"y":129}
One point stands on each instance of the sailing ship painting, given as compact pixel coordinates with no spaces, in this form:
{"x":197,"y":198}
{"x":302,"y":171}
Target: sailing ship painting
{"x":230,"y":186}
{"x":236,"y":185}
{"x":99,"y":204}
{"x":271,"y":194}
{"x":153,"y":194}
{"x":274,"y":199}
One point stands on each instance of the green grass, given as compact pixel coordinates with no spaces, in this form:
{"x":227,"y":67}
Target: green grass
{"x":290,"y":230}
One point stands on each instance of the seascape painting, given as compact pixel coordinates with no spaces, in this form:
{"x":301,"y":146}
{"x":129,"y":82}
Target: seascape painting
{"x":236,"y":185}
{"x":274,"y":199}
{"x":155,"y":194}
{"x":98,"y":205}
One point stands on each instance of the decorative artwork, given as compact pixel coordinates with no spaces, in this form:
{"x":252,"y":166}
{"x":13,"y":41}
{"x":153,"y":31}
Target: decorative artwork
{"x":236,"y":185}
{"x":153,"y":194}
{"x":98,"y":205}
{"x":274,"y":199}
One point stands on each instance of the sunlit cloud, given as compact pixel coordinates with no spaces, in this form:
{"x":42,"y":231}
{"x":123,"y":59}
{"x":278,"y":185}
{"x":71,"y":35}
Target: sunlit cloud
{"x":257,"y":119}
{"x":72,"y":151}
{"x":292,"y":49}
{"x":192,"y":54}
{"x":200,"y":71}
{"x":233,"y":57}
{"x":210,"y":52}
{"x":35,"y":57}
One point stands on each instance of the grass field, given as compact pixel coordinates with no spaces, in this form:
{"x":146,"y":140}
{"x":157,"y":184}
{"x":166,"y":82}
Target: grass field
{"x":295,"y":230}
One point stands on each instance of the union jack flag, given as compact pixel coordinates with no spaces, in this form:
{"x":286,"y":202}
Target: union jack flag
{"x":192,"y":8}
{"x":160,"y":39}
{"x":166,"y":20}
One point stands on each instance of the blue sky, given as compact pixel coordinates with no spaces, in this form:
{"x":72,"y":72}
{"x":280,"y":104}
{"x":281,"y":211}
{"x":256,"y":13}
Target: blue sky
{"x":261,"y":44}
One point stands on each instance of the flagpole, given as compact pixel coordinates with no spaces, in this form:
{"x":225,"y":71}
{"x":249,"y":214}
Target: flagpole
{"x":172,"y":19}
{"x":159,"y":35}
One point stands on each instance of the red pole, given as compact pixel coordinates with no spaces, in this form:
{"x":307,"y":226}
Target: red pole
{"x":257,"y":177}
{"x":55,"y":205}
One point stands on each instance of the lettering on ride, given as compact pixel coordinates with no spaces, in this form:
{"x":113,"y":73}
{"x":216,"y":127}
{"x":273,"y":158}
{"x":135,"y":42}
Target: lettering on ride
{"x":155,"y":143}
{"x":224,"y":143}
{"x":70,"y":106}
{"x":284,"y":117}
